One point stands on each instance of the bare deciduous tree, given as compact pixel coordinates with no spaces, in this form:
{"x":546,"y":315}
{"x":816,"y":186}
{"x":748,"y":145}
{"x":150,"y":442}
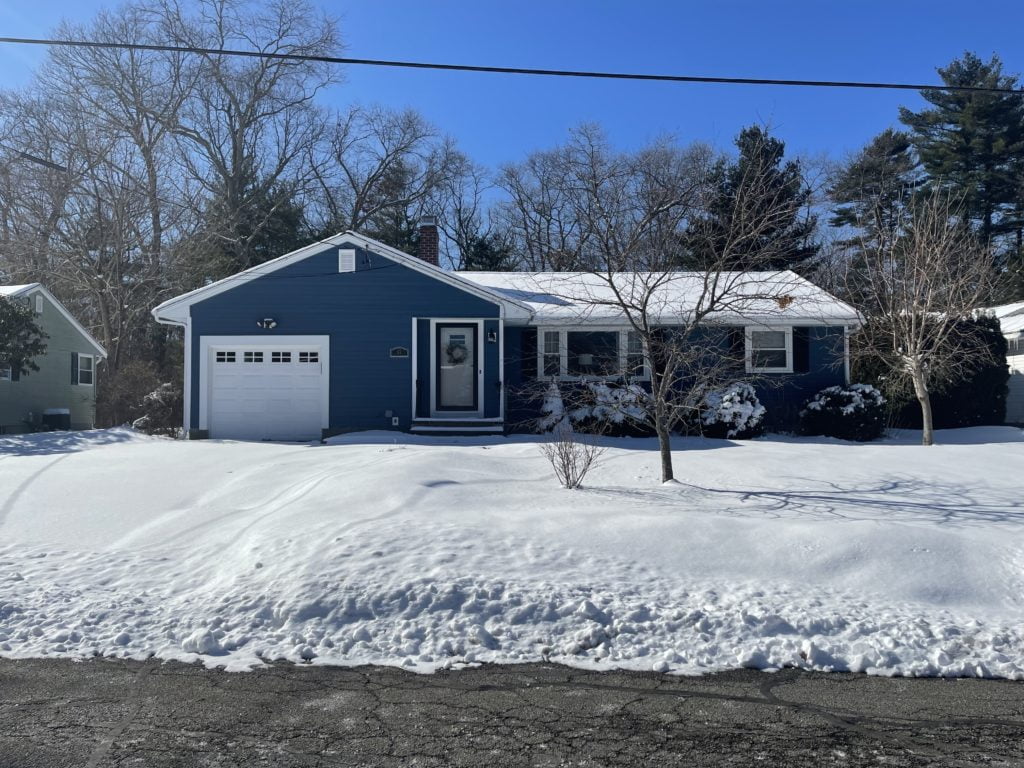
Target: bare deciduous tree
{"x":246,"y":128}
{"x":919,"y":274}
{"x":375,"y":170}
{"x":636,"y":217}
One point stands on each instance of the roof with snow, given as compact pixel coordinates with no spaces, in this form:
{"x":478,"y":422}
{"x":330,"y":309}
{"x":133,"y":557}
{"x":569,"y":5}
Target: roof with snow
{"x":17,"y":290}
{"x":757,"y":297}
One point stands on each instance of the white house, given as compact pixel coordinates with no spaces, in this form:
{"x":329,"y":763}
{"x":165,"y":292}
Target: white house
{"x":1011,"y":320}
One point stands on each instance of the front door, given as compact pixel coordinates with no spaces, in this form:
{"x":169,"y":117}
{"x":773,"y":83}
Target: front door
{"x":456,"y":372}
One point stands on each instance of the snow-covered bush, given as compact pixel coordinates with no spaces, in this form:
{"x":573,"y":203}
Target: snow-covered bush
{"x":855,"y":412}
{"x":552,"y":409}
{"x":161,"y":411}
{"x":732,"y":412}
{"x":598,"y":407}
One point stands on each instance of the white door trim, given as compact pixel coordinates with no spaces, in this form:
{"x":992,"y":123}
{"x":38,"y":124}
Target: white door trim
{"x":480,"y":341}
{"x":208,"y":344}
{"x":415,"y":369}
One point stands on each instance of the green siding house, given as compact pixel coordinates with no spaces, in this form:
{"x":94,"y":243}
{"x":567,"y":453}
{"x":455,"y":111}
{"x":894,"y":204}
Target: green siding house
{"x":65,"y":384}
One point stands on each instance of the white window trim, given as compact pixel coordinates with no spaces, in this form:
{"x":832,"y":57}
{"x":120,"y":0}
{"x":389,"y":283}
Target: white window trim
{"x":92,"y":369}
{"x":563,"y":349}
{"x":39,"y":303}
{"x":749,"y":348}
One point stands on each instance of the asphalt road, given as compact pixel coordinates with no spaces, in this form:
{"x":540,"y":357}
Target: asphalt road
{"x":115,"y":713}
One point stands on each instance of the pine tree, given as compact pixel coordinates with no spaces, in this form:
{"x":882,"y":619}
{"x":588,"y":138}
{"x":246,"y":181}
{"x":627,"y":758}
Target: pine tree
{"x":488,"y":253}
{"x":877,"y":182}
{"x":760,"y":184}
{"x":972,"y":143}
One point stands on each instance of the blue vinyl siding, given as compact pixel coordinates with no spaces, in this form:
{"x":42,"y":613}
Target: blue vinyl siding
{"x":783,"y":395}
{"x":364,"y":313}
{"x":824,"y":369}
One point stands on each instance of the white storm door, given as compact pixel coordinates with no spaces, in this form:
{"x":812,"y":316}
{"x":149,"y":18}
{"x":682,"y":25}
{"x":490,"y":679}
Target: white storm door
{"x":457,"y":368}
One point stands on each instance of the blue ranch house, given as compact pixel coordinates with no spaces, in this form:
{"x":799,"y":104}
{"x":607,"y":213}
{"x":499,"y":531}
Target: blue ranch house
{"x":350,"y":334}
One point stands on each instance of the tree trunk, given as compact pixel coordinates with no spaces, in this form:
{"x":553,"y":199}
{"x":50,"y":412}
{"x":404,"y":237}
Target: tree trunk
{"x":665,"y":446}
{"x":925,"y":401}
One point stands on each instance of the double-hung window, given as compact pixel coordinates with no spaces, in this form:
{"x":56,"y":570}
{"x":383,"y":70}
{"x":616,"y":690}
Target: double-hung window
{"x":551,"y":353}
{"x":769,"y":350}
{"x":86,"y":369}
{"x":576,"y":353}
{"x":6,"y":372}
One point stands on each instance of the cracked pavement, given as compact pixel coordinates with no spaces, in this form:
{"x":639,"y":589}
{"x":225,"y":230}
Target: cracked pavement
{"x":105,"y":713}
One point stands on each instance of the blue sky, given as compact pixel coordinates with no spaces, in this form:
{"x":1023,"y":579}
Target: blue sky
{"x":498,"y":118}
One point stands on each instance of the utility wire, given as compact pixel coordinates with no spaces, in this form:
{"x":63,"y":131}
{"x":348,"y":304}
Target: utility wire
{"x":515,"y":70}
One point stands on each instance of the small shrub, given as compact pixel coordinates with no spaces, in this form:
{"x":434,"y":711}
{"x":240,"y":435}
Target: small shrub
{"x":571,"y":454}
{"x":734,"y":412}
{"x":162,"y":410}
{"x":855,"y":413}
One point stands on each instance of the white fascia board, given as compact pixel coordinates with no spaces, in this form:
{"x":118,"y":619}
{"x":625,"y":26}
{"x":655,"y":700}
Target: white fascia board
{"x":32,"y":288}
{"x":176,"y":311}
{"x":563,"y":321}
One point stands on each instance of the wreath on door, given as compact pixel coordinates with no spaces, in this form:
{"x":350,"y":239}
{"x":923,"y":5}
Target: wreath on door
{"x":456,"y":352}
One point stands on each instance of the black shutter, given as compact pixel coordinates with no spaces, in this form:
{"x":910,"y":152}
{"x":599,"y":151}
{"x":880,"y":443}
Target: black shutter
{"x":15,"y":373}
{"x":738,"y":345}
{"x":74,"y":367}
{"x":528,"y":352}
{"x":801,"y":350}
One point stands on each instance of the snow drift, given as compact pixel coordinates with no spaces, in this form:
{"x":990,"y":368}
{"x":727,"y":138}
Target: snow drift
{"x":886,"y":558}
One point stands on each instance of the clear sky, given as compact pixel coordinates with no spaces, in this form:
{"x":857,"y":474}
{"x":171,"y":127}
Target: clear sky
{"x":498,"y":118}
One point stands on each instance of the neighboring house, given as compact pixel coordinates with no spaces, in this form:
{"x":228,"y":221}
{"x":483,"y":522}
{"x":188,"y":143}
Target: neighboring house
{"x":1011,"y":322}
{"x":65,"y":384}
{"x":350,"y":334}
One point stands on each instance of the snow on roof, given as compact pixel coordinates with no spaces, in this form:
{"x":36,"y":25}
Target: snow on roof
{"x":16,"y":290}
{"x":570,"y":297}
{"x":1011,"y":317}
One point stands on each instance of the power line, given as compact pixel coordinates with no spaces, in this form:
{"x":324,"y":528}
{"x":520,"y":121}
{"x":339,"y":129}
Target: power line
{"x":515,"y":70}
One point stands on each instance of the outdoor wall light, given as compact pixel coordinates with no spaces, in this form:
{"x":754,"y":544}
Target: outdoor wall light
{"x":267,"y":323}
{"x":492,"y":337}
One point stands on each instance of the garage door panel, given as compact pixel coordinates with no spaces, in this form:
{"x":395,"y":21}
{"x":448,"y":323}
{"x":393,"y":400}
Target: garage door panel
{"x":277,"y":396}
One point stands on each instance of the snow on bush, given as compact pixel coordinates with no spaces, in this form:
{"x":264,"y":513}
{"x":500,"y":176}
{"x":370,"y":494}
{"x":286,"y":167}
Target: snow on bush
{"x":162,"y":411}
{"x":552,"y":409}
{"x":595,"y":406}
{"x":854,"y":412}
{"x":732,"y":412}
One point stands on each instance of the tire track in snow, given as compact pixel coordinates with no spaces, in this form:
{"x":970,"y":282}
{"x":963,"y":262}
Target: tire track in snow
{"x":9,"y":505}
{"x":278,"y":502}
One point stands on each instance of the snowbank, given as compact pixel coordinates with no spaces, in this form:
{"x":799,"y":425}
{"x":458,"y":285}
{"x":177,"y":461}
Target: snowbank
{"x":886,"y":558}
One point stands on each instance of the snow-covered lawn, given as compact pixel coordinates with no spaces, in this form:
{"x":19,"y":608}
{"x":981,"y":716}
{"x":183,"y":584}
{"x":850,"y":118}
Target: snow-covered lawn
{"x":888,"y":558}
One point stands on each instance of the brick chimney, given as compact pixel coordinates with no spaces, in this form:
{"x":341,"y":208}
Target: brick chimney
{"x":426,"y":249}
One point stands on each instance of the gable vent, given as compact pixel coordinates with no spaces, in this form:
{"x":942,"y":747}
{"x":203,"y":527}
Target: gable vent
{"x":346,"y":259}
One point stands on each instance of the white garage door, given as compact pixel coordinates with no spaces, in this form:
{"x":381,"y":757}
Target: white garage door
{"x":266,"y":392}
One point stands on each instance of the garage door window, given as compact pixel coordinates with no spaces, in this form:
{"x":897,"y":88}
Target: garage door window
{"x":309,"y":357}
{"x":253,"y":357}
{"x":280,"y":357}
{"x":225,"y":357}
